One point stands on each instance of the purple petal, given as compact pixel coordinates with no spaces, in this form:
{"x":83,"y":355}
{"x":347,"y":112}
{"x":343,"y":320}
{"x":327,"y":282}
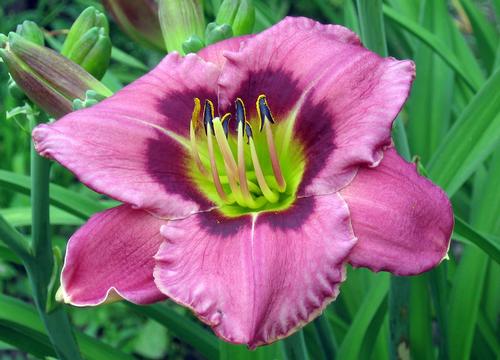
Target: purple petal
{"x":257,"y":279}
{"x":403,"y":221}
{"x":111,"y":256}
{"x":345,"y":96}
{"x":126,"y":147}
{"x":215,"y":53}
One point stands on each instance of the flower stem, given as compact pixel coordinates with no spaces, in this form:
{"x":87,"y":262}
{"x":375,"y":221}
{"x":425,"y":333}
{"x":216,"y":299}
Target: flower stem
{"x":41,"y":264}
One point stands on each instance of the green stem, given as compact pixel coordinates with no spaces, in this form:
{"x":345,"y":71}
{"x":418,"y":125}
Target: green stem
{"x":294,"y":347}
{"x":41,"y":266}
{"x":373,"y":34}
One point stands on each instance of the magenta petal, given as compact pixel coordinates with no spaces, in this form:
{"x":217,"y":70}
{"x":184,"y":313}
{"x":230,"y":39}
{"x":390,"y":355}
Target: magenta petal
{"x":126,"y":146}
{"x":215,"y":53}
{"x":344,"y":97}
{"x":402,"y":220}
{"x":257,"y":279}
{"x":112,"y":256}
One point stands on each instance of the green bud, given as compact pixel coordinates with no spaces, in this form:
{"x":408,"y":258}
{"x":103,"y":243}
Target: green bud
{"x":180,"y":19}
{"x":88,"y":19}
{"x":240,"y":14}
{"x":30,"y":31}
{"x":139,"y":20}
{"x":193,"y":44}
{"x":47,"y":78}
{"x":91,"y":98}
{"x":92,"y":51}
{"x":215,"y":33}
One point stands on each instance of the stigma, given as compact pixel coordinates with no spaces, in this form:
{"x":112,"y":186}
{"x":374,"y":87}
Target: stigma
{"x":243,"y":167}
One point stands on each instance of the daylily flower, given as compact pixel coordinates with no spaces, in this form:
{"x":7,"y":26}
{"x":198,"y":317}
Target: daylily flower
{"x":250,"y":173}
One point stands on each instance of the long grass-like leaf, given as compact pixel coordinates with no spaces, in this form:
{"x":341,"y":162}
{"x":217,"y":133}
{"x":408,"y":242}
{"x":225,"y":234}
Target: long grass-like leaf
{"x":438,"y":46}
{"x":471,"y":140}
{"x":353,"y":341}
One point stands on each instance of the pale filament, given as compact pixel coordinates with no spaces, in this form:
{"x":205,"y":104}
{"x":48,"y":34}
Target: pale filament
{"x":266,"y":191}
{"x":274,"y":157}
{"x":213,"y":167}
{"x":229,"y":162}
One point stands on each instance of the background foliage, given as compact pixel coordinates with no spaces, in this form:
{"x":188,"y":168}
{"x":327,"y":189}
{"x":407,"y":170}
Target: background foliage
{"x":451,"y":122}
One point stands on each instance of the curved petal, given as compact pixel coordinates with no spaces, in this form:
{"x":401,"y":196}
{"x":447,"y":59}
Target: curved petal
{"x":257,"y":279}
{"x":214,"y":53}
{"x":131,"y":146}
{"x":341,"y":98}
{"x":110,"y":257}
{"x":403,"y":221}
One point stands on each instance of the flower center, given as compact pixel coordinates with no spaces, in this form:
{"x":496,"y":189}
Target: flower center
{"x":244,"y":171}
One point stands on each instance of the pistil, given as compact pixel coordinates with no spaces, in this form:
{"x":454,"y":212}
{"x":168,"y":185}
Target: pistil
{"x":266,"y":119}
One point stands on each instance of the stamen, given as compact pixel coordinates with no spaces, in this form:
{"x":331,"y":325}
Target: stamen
{"x":192,"y":132}
{"x":208,"y":122}
{"x":240,"y":120}
{"x":229,"y":161}
{"x":265,"y":113}
{"x":208,"y":116}
{"x":213,"y":167}
{"x":266,"y":191}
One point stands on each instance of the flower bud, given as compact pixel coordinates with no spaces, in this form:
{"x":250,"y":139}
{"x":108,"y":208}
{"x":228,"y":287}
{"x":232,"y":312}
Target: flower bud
{"x":215,"y":33}
{"x":193,"y":44}
{"x":92,"y":52}
{"x":48,"y":79}
{"x":139,"y":20}
{"x":240,"y":14}
{"x":30,"y":31}
{"x":179,"y":20}
{"x":88,"y":19}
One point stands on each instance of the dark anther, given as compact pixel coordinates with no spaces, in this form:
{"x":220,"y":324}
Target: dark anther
{"x":208,"y":115}
{"x":240,"y":112}
{"x":225,"y":123}
{"x":248,"y":131}
{"x":264,"y":111}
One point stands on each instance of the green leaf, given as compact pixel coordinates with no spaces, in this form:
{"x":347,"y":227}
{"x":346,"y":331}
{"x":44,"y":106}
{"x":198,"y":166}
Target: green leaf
{"x":471,"y":139}
{"x":187,"y":330}
{"x":126,"y":59}
{"x":470,"y":276}
{"x":357,"y":333}
{"x":26,"y":339}
{"x":484,"y":32}
{"x":76,"y":204}
{"x":438,"y":46}
{"x":294,"y":347}
{"x":21,"y":216}
{"x":430,"y":101}
{"x":23,"y":319}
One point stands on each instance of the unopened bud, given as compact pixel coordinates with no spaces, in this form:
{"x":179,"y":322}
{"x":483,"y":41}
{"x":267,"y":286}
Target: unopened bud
{"x":47,"y":78}
{"x":240,"y":14}
{"x":31,"y":32}
{"x":138,"y":19}
{"x":88,"y":19}
{"x":92,"y":52}
{"x":215,"y":33}
{"x":193,"y":44}
{"x":180,"y":19}
{"x":88,"y":43}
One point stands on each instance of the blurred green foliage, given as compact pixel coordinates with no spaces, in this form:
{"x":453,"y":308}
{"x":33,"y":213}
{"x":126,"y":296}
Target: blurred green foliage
{"x":454,"y":309}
